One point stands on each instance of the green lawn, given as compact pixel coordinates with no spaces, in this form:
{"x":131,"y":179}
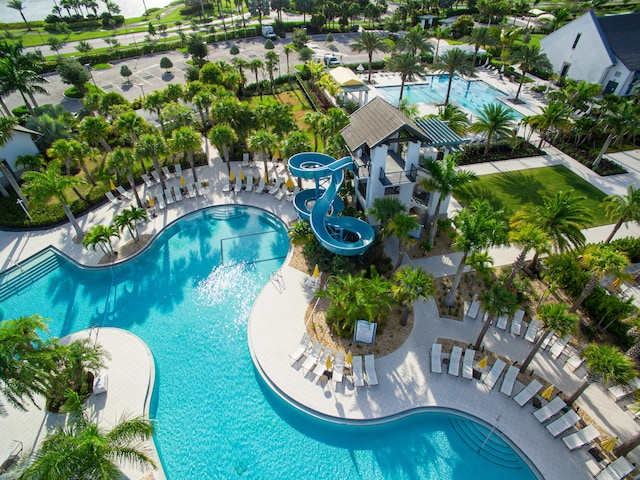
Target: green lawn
{"x":512,"y":190}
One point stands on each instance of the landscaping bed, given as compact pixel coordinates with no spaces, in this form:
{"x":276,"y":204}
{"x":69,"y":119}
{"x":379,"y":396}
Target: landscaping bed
{"x":587,"y":156}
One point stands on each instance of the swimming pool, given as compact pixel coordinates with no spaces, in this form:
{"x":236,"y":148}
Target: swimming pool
{"x":472,"y":95}
{"x":188,"y":297}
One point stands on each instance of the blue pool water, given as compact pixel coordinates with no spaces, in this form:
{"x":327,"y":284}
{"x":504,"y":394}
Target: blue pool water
{"x":188,"y":297}
{"x":470,"y":95}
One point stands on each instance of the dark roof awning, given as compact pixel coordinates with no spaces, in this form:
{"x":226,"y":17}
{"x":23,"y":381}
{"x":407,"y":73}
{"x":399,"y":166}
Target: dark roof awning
{"x":439,"y":134}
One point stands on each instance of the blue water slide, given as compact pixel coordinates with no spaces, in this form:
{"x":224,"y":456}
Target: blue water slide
{"x":342,"y":235}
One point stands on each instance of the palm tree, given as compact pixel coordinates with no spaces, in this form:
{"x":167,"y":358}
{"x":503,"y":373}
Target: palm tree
{"x":622,"y":208}
{"x":223,"y":136}
{"x":331,"y":123}
{"x":529,"y":58}
{"x":369,"y":42}
{"x":94,"y":130}
{"x":600,"y":260}
{"x":530,"y":237}
{"x":40,"y":186}
{"x":415,"y":41}
{"x":618,"y":120}
{"x":408,"y":66}
{"x":508,"y":37}
{"x":455,"y":118}
{"x":63,"y":149}
{"x":83,"y":449}
{"x":288,"y":50}
{"x":401,"y":226}
{"x":271,"y":64}
{"x":478,"y":227}
{"x":255,"y":66}
{"x":561,"y":218}
{"x":438,"y":33}
{"x":122,"y":160}
{"x":452,"y":62}
{"x":409,"y":285}
{"x":384,"y":209}
{"x":129,"y":219}
{"x":555,"y":318}
{"x":17,"y":5}
{"x":203,"y":102}
{"x":100,"y":236}
{"x":28,"y":358}
{"x":314,"y":121}
{"x":19,"y":72}
{"x":443,"y":178}
{"x":263,"y":142}
{"x":556,"y":115}
{"x":153,"y":146}
{"x":186,"y":140}
{"x":494,"y":121}
{"x":480,"y":37}
{"x":604,"y":363}
{"x":496,"y":301}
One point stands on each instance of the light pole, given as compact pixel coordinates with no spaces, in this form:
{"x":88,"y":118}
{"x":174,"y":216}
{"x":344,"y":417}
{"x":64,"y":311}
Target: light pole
{"x":142,"y":88}
{"x":88,"y":67}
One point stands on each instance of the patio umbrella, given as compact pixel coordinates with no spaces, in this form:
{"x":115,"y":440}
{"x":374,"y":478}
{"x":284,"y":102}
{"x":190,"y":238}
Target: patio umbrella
{"x":546,"y":393}
{"x":232,"y":177}
{"x":290,"y":183}
{"x":609,"y":444}
{"x":483,"y":363}
{"x":266,"y":177}
{"x":151,"y":202}
{"x":316,"y":272}
{"x":349,"y":358}
{"x":113,"y":185}
{"x":182,"y":182}
{"x":241,"y":173}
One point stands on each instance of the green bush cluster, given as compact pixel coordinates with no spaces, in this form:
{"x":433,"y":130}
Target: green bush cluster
{"x":587,"y":156}
{"x":630,"y":246}
{"x":499,"y":151}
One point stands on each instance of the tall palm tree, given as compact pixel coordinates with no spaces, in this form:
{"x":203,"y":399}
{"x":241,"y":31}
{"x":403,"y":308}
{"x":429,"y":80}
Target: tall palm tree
{"x":223,"y":137}
{"x":478,"y":227}
{"x":153,"y":146}
{"x":203,"y":101}
{"x":530,"y":237}
{"x":255,"y":66}
{"x":494,"y":121}
{"x":480,"y":37}
{"x":263,"y":142}
{"x":271,"y":64}
{"x":452,"y":62}
{"x":19,"y":72}
{"x":314,"y":121}
{"x":555,"y":317}
{"x":28,"y":358}
{"x":600,"y":260}
{"x":622,"y":208}
{"x":556,"y":115}
{"x":40,"y":186}
{"x":129,"y":219}
{"x":384,"y":209}
{"x":17,"y":5}
{"x":604,"y":363}
{"x":62,"y":149}
{"x":401,"y":225}
{"x":455,"y":118}
{"x":443,"y":178}
{"x":122,"y":161}
{"x":100,"y":236}
{"x":618,"y":120}
{"x":371,"y":43}
{"x":186,"y":140}
{"x":508,"y":37}
{"x":408,"y":66}
{"x":409,"y":285}
{"x":496,"y":301}
{"x":529,"y":58}
{"x":95,"y":130}
{"x":561,"y":217}
{"x":83,"y":449}
{"x":416,"y":42}
{"x":288,"y":50}
{"x":438,"y":33}
{"x":332,"y":122}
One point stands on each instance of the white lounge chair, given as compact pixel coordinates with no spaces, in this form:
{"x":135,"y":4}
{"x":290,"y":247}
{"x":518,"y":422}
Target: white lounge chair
{"x":168,"y":195}
{"x":509,"y":380}
{"x":454,"y":361}
{"x":199,"y":189}
{"x":245,"y":159}
{"x":575,"y":361}
{"x":616,"y":470}
{"x":178,"y":168}
{"x":100,"y":384}
{"x":516,"y":322}
{"x":191,"y":189}
{"x":160,"y":203}
{"x":177,"y":193}
{"x":122,"y":192}
{"x":147,"y":181}
{"x":227,"y":187}
{"x":474,"y":308}
{"x":564,"y":423}
{"x":300,"y":350}
{"x":338,"y":367}
{"x":528,"y":392}
{"x":156,"y":176}
{"x":547,"y":339}
{"x":166,"y":172}
{"x":495,"y":372}
{"x":532,"y":330}
{"x":321,"y":366}
{"x":249,"y":187}
{"x":618,"y":392}
{"x":313,"y":357}
{"x":467,"y":363}
{"x":291,"y":195}
{"x":261,"y":186}
{"x":576,"y":440}
{"x":276,"y":187}
{"x":549,"y":410}
{"x":238,"y":187}
{"x":282,"y":193}
{"x":558,"y":347}
{"x":12,"y":451}
{"x":112,"y":199}
{"x":356,"y":368}
{"x":436,"y":358}
{"x":370,"y":370}
{"x":502,"y":322}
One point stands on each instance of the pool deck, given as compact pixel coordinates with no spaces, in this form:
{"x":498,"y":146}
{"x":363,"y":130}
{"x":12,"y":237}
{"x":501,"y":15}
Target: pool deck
{"x":404,"y":376}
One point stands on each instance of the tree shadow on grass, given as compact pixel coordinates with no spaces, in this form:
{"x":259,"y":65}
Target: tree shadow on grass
{"x":468,"y":193}
{"x":521,"y":185}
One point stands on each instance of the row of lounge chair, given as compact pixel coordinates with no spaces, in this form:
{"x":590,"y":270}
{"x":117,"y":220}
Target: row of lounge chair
{"x":150,"y":182}
{"x":122,"y":195}
{"x":278,"y":189}
{"x":318,"y":360}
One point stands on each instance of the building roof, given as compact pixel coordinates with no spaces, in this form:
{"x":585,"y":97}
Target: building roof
{"x":440,"y":135}
{"x":345,"y":77}
{"x":622,"y":33}
{"x":375,"y":122}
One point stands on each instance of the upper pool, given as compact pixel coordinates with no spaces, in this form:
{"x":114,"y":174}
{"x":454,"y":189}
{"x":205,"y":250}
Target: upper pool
{"x":188,"y":297}
{"x":472,"y":95}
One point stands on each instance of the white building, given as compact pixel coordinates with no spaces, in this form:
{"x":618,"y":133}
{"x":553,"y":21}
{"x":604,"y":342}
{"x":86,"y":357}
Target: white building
{"x":603,"y":50}
{"x":21,"y":143}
